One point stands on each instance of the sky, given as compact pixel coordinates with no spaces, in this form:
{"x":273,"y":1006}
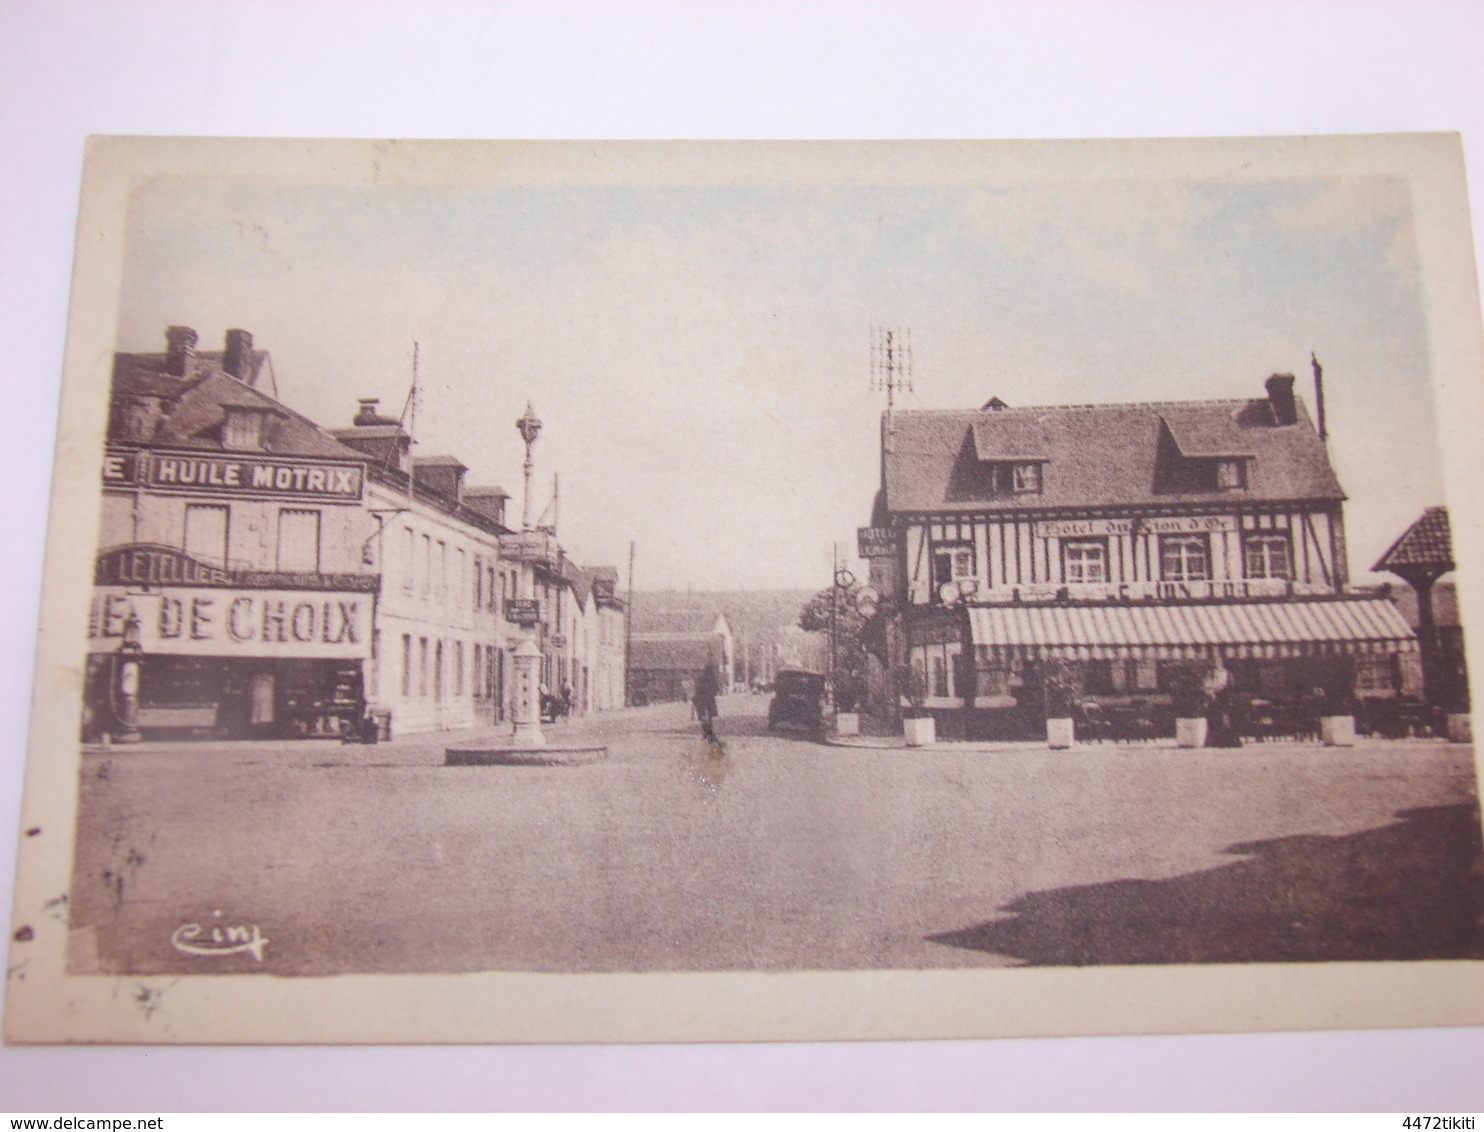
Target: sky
{"x":699,"y":355}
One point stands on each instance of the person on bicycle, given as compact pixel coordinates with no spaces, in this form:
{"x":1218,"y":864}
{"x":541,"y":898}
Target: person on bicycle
{"x":704,"y":700}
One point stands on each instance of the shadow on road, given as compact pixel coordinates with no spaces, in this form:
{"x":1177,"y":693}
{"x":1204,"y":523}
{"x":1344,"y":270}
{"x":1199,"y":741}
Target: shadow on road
{"x":1412,"y":890}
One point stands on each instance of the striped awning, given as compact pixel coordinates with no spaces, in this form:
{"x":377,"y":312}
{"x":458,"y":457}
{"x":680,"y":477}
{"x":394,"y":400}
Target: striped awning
{"x":1250,"y":630}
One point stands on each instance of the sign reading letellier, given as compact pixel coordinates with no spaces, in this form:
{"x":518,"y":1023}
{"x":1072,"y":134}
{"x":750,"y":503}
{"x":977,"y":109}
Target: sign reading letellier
{"x":225,"y":622}
{"x":324,"y":480}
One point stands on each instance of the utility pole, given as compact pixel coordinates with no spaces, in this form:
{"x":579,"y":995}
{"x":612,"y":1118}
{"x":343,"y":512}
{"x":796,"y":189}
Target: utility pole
{"x":628,"y":635}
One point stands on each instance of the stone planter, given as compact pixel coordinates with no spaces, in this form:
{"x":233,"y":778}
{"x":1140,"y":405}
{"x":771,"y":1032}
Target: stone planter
{"x":1060,"y":733}
{"x":1337,"y":730}
{"x":847,"y":723}
{"x":1460,"y":728}
{"x":920,"y":731}
{"x":1191,"y":732}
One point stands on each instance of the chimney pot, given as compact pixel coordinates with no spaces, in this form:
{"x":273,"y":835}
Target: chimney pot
{"x":237,"y":358}
{"x":180,"y":348}
{"x":1280,"y":396}
{"x":366,"y":414}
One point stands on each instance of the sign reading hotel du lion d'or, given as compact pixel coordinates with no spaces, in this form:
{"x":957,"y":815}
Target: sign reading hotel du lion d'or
{"x":210,"y":474}
{"x":224,"y":622}
{"x":1152,"y":525}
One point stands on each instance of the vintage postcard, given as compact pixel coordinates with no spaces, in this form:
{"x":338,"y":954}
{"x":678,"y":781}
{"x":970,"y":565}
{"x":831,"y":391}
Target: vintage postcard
{"x":567,"y":592}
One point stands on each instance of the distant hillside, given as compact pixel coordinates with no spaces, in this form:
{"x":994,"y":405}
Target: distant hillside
{"x":758,"y":618}
{"x":760,"y":614}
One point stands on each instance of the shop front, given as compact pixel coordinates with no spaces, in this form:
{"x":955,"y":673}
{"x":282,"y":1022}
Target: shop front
{"x":1263,"y":669}
{"x":179,"y":647}
{"x":1258,"y":670}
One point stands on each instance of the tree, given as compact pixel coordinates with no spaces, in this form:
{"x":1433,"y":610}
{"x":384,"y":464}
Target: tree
{"x":833,"y":611}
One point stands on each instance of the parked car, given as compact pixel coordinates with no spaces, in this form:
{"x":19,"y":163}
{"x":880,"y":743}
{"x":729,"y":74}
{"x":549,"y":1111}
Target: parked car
{"x":798,"y":699}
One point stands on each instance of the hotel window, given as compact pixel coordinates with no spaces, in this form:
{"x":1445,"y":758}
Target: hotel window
{"x":442,"y":570}
{"x":1085,"y":561}
{"x":463,"y":592}
{"x":952,"y":564}
{"x":1267,"y":556}
{"x":409,"y":558}
{"x":1026,"y":479}
{"x":427,"y":564}
{"x":406,"y":665}
{"x":1184,"y":558}
{"x":478,"y":582}
{"x":458,"y":668}
{"x":206,"y":533}
{"x":422,"y":667}
{"x":298,"y":541}
{"x":1230,"y":475}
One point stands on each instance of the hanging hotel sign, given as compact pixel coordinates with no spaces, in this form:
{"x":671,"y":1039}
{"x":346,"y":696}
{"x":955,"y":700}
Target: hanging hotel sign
{"x":197,"y":473}
{"x":875,"y":542}
{"x":523,"y":611}
{"x":1156,"y":525}
{"x":243,"y":623}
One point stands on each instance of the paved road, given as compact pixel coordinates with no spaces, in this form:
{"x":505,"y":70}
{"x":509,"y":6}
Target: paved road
{"x":782,"y":854}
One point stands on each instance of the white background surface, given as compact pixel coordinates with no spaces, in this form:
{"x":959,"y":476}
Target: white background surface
{"x":624,"y":70}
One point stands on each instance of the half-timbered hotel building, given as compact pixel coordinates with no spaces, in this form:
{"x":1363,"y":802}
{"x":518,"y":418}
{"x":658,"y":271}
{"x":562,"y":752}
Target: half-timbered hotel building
{"x":1127,"y":539}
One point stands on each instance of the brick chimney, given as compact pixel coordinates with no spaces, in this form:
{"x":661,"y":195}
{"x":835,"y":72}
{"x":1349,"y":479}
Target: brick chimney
{"x":237,"y":358}
{"x":180,"y":350}
{"x":384,"y":440}
{"x":1280,"y":396}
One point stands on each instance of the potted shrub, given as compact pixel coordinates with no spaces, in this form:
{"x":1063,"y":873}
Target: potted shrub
{"x":1190,"y":696}
{"x":847,"y":697}
{"x":917,"y":723}
{"x":1337,"y":703}
{"x":1061,"y":684}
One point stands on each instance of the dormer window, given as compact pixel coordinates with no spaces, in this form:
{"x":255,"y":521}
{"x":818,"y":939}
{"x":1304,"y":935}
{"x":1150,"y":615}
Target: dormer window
{"x":243,"y":430}
{"x":1230,"y":475}
{"x":1026,"y":478}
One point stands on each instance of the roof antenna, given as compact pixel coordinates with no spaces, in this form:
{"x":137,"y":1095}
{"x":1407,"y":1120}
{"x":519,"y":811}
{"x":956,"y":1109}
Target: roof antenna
{"x":891,"y":363}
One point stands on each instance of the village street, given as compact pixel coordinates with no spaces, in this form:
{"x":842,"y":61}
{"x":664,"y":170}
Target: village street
{"x":786,"y":853}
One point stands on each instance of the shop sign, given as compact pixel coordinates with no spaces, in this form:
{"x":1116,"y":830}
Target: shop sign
{"x":1044,"y":593}
{"x":300,"y":624}
{"x":523,"y":611}
{"x":875,"y":542}
{"x":206,"y":474}
{"x":1158,"y":525}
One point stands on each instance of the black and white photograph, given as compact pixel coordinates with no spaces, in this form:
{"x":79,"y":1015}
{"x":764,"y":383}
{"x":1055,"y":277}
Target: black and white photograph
{"x":784,"y":590}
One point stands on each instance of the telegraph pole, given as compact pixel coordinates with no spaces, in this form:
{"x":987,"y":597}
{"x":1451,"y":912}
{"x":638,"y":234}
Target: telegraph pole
{"x":628,"y":636}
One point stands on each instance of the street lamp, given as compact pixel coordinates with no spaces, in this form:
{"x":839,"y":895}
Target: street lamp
{"x":840,"y":587}
{"x":127,"y":663}
{"x":525,"y":711}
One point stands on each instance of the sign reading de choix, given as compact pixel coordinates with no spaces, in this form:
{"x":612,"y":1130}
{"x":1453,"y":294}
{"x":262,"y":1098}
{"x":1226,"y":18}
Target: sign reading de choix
{"x":227,"y":622}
